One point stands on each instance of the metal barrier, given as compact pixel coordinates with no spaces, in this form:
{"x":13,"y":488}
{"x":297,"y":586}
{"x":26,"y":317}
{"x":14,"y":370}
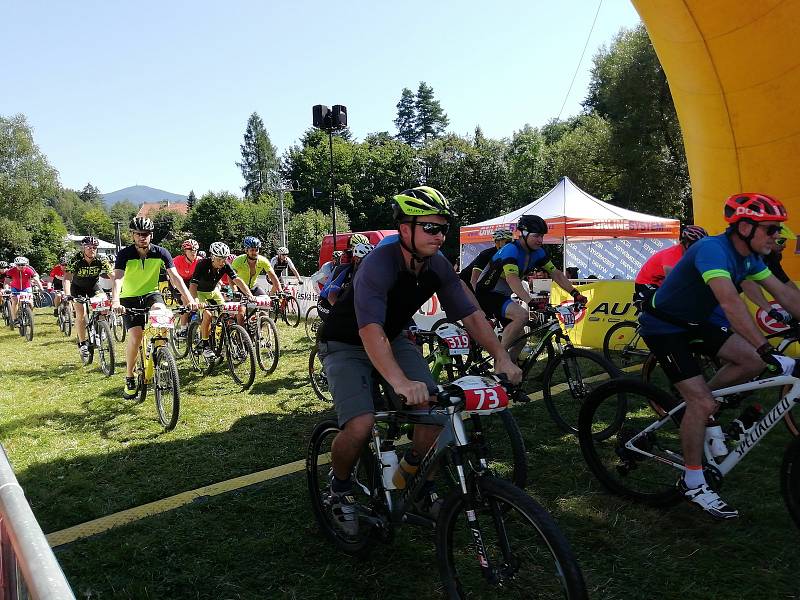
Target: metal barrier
{"x":23,"y":547}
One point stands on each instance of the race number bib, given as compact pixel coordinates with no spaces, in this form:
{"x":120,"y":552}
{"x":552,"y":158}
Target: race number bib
{"x":482,"y":394}
{"x":454,"y":337}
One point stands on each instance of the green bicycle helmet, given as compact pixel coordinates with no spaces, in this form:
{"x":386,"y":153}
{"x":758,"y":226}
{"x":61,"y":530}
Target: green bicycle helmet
{"x":419,"y":202}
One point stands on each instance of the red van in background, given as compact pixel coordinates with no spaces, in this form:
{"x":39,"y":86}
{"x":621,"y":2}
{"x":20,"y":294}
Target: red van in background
{"x":343,"y":239}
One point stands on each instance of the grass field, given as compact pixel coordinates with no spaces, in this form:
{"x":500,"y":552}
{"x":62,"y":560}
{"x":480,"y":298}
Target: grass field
{"x":81,"y":452}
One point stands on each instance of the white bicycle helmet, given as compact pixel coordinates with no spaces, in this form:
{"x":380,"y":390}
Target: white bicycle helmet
{"x":361,"y":250}
{"x":283,"y":250}
{"x":219,"y":249}
{"x":21,"y":261}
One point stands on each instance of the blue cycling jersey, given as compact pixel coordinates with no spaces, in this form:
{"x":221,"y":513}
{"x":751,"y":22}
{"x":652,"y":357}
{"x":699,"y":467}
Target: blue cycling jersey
{"x":337,"y":279}
{"x":511,"y":259}
{"x":685,"y":294}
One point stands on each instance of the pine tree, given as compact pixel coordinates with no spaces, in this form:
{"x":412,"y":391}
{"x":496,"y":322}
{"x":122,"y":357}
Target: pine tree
{"x":259,"y":159}
{"x":407,"y":118}
{"x":431,"y":120}
{"x":191,"y":200}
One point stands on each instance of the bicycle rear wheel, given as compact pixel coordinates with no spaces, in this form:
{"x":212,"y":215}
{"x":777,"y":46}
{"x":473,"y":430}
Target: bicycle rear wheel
{"x":240,"y":356}
{"x":525,"y":553}
{"x":166,"y":387}
{"x":615,"y":457}
{"x":624,"y":348}
{"x":291,"y":312}
{"x":318,"y":477}
{"x":268,"y":346}
{"x":568,"y":381}
{"x":105,"y":347}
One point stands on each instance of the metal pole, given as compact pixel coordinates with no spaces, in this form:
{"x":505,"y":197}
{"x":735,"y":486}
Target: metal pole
{"x":117,"y":235}
{"x":333,"y":198}
{"x":283,"y":227}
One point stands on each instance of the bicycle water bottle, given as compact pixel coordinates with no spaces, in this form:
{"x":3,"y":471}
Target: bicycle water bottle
{"x":390,"y":464}
{"x":715,"y":440}
{"x":406,"y":470}
{"x":738,"y":428}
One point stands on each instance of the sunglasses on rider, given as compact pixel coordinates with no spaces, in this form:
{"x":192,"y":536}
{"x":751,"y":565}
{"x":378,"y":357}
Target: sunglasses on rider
{"x":771,"y":229}
{"x":434,"y":228}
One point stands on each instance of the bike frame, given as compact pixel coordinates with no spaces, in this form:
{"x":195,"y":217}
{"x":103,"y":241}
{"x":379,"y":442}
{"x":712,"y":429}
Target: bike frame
{"x":757,"y":431}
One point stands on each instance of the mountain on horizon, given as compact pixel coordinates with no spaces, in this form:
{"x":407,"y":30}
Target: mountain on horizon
{"x":137,"y":194}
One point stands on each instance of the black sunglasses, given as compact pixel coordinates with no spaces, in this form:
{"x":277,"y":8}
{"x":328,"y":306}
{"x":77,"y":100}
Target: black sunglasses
{"x":434,"y":228}
{"x":771,"y":229}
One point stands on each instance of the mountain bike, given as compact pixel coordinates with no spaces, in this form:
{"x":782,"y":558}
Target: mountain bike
{"x":263,"y":332}
{"x":492,"y":540}
{"x":41,"y":298}
{"x":448,"y":345}
{"x":228,"y":342}
{"x":25,"y":315}
{"x":98,"y":333}
{"x":157,"y":367}
{"x":64,"y":317}
{"x":564,"y":375}
{"x":641,"y":459}
{"x":317,"y":376}
{"x":285,"y":307}
{"x":117,"y":326}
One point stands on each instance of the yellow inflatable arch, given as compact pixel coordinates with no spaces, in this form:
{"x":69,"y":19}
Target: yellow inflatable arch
{"x":734,"y":71}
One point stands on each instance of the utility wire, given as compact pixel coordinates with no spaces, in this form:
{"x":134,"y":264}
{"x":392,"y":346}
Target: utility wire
{"x":586,"y":45}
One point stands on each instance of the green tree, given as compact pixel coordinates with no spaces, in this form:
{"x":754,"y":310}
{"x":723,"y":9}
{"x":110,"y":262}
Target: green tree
{"x":259,"y":164}
{"x":218,"y":217}
{"x":90,"y":193}
{"x":191,"y":200}
{"x":96,"y":221}
{"x":430,"y":119}
{"x":406,"y":121}
{"x":168,"y":227}
{"x":123,"y":211}
{"x":528,"y":173}
{"x":629,"y":90}
{"x":305,"y":233}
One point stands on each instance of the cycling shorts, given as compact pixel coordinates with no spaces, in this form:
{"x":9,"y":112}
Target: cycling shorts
{"x":140,"y":302}
{"x":350,"y":374}
{"x":17,"y":292}
{"x":58,"y":284}
{"x":78,"y":291}
{"x":494,"y":304}
{"x":677,"y":352}
{"x":212,"y":297}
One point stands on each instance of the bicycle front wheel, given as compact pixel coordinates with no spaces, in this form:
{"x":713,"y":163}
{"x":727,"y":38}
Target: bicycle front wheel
{"x":27,"y":331}
{"x":316,"y":374}
{"x":267,"y":346}
{"x":240,"y":356}
{"x":568,"y":381}
{"x":313,"y":322}
{"x":291,"y":312}
{"x":105,"y":347}
{"x":626,"y":460}
{"x":624,"y":348}
{"x":119,"y":328}
{"x":166,"y":387}
{"x":524,"y":553}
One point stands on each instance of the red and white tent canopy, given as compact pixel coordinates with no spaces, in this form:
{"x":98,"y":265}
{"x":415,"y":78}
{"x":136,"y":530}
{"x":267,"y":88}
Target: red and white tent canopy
{"x":577,"y":216}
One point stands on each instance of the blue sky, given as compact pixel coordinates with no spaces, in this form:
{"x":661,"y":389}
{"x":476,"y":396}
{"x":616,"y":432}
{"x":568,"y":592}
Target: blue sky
{"x":158,"y":93}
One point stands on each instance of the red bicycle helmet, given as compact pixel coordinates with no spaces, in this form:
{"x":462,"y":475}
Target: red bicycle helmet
{"x":754,"y":207}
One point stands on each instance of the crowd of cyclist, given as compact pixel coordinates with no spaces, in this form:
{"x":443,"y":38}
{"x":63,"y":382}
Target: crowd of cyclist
{"x":370,"y":294}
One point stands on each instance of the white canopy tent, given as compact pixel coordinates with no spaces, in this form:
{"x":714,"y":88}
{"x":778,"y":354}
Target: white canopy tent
{"x":599,"y":238}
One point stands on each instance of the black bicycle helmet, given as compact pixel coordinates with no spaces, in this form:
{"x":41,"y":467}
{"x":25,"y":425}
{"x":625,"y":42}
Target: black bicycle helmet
{"x":532,"y":224}
{"x":141,"y":224}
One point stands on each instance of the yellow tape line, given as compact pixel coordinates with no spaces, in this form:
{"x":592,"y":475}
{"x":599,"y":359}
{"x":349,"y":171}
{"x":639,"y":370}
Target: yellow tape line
{"x":71,"y":534}
{"x":90,"y":528}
